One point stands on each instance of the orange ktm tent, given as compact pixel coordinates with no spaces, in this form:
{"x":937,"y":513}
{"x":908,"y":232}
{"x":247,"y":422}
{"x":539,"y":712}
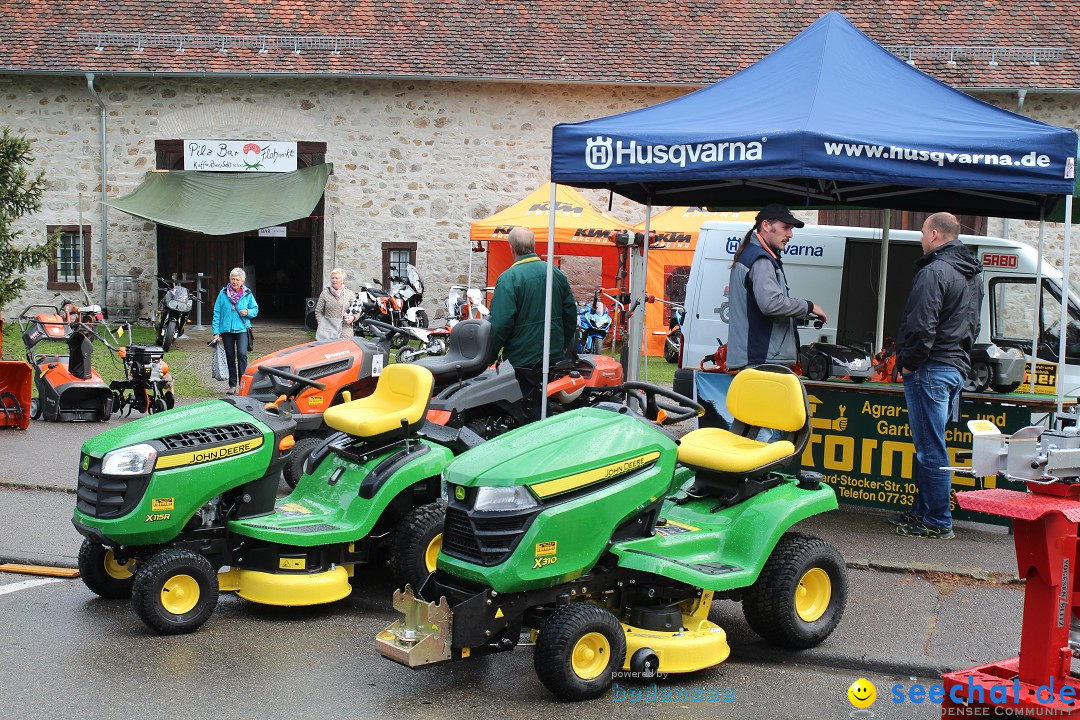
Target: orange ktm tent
{"x":580,"y":230}
{"x":670,"y":256}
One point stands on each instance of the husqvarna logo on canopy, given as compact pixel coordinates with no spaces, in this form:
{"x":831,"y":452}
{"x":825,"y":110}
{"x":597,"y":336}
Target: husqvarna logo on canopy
{"x":598,"y":154}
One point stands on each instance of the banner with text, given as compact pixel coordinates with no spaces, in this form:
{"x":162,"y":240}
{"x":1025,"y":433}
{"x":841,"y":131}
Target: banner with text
{"x":239,"y":156}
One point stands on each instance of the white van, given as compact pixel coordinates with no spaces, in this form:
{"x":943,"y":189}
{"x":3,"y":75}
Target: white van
{"x":838,"y":268}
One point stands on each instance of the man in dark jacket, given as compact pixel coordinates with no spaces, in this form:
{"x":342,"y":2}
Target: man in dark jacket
{"x":517,"y":317}
{"x":940,"y":322}
{"x":761,"y":324}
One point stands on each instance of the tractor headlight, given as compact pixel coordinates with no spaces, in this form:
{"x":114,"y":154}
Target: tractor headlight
{"x":134,"y":460}
{"x":496,"y":499}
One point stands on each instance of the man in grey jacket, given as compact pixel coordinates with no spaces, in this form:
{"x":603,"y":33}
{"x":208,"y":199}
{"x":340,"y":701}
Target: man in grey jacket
{"x":761,"y":323}
{"x":940,"y":322}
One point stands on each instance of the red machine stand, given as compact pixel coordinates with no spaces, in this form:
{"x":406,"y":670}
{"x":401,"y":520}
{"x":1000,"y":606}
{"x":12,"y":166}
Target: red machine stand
{"x":1045,"y":526}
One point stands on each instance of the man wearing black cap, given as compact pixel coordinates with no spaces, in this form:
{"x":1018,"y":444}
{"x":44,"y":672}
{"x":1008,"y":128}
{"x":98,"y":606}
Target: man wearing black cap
{"x":761,"y":325}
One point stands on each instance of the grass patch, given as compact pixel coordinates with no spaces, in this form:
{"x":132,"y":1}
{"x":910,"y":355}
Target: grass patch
{"x":109,"y":366}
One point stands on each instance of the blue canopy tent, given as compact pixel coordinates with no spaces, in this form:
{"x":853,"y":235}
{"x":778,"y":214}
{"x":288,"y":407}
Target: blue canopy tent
{"x":829,"y":119}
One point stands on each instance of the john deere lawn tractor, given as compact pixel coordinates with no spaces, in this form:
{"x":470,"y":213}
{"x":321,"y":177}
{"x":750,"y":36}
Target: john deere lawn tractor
{"x":608,"y":541}
{"x":181,"y":505}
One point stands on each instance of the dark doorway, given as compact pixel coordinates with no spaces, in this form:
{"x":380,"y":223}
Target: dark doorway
{"x":279,"y":270}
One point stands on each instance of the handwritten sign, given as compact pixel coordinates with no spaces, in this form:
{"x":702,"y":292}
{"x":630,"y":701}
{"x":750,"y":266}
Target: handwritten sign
{"x":239,"y":155}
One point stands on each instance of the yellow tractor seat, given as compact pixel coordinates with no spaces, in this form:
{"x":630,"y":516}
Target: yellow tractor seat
{"x":724,"y":451}
{"x":733,"y":464}
{"x":401,"y":394}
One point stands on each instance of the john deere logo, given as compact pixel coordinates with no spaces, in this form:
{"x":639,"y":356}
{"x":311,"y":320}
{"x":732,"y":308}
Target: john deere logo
{"x":85,"y":462}
{"x":459,"y":492}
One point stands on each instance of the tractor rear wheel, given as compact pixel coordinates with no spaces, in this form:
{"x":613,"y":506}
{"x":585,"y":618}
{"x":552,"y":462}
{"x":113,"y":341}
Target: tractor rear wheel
{"x":175,"y":592}
{"x":103,"y":573}
{"x":799,"y":597}
{"x":294,"y":465}
{"x":578,"y":648}
{"x":416,"y":544}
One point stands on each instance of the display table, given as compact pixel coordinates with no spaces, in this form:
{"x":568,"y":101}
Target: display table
{"x":862,"y":444}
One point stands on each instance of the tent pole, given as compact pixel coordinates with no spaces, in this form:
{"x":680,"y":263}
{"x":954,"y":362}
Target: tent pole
{"x":1036,"y":324}
{"x":637,"y":303}
{"x":879,"y":327}
{"x":1063,"y":323}
{"x":547,"y":307}
{"x":644,"y":288}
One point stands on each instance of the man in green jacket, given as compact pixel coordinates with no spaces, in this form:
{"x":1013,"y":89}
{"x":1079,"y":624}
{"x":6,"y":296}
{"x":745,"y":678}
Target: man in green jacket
{"x":517,"y":317}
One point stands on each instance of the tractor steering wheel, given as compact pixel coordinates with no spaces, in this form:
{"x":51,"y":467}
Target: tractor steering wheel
{"x":386,"y":330}
{"x":297,"y":382}
{"x":649,"y":397}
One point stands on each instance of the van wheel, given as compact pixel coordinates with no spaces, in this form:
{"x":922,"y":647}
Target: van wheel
{"x":799,"y":597}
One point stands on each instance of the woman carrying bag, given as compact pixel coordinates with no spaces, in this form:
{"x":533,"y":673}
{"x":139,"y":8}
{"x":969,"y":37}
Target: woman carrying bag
{"x":233,"y":310}
{"x":332,"y":309}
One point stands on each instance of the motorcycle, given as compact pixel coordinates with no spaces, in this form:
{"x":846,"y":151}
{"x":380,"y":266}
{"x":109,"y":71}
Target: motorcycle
{"x":471,"y":306}
{"x":400,"y":306}
{"x":409,"y":288}
{"x":673,"y":341}
{"x":434,"y":341}
{"x":172,"y":312}
{"x":594,"y":322}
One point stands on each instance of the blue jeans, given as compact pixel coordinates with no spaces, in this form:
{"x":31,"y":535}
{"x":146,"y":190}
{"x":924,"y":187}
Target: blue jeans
{"x":235,"y":354}
{"x":932,"y":392}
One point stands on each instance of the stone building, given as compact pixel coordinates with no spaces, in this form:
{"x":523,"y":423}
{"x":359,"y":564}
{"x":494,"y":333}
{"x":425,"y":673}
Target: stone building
{"x":432,"y":114}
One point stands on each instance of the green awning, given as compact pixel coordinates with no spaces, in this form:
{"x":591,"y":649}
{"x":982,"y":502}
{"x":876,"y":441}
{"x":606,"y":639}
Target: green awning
{"x":222,"y":203}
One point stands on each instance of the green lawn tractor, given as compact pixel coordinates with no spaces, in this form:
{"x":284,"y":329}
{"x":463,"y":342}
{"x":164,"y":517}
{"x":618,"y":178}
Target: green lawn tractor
{"x":608,"y":541}
{"x":179,"y":506}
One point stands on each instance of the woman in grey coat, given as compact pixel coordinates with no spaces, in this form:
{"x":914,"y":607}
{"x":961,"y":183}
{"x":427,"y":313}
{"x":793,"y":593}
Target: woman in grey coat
{"x":332,"y":308}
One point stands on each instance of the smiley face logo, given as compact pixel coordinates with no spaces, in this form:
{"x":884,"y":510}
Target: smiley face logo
{"x":862,"y":693}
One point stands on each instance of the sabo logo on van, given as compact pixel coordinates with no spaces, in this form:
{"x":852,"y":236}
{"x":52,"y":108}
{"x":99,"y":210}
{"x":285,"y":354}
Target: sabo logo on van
{"x":1001,"y":260}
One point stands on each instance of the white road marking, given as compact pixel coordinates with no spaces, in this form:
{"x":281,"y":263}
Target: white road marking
{"x":5,"y":589}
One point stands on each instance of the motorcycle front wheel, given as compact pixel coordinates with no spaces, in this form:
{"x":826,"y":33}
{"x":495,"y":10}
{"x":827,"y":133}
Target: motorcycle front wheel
{"x":168,"y":334}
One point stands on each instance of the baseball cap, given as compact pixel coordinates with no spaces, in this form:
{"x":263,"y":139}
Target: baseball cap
{"x":776,"y":211}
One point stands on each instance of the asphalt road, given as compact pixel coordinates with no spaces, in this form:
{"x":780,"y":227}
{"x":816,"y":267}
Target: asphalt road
{"x":68,"y":653}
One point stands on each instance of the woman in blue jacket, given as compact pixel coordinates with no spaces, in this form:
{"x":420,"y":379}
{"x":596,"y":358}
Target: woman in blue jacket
{"x":233,"y":310}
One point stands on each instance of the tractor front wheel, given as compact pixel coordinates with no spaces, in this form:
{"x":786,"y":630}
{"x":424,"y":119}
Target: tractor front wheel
{"x":799,"y":597}
{"x":416,"y":544}
{"x":103,"y":573}
{"x":578,"y":648}
{"x":175,"y":592}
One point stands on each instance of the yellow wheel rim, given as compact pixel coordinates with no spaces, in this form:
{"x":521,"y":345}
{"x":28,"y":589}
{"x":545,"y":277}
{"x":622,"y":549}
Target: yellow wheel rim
{"x":432,"y":552}
{"x":813,"y":595}
{"x":118,"y":570}
{"x":180,"y":594}
{"x":590,"y":656}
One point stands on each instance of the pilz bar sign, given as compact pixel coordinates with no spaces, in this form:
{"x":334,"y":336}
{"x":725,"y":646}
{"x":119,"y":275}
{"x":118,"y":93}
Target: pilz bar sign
{"x":239,"y":155}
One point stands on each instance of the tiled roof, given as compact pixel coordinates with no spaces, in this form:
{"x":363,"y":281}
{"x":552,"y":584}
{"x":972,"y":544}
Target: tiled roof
{"x":651,"y":41}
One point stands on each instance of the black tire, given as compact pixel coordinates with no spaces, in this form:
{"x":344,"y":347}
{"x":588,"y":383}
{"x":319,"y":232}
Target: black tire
{"x":421,"y":319}
{"x":168,"y":334}
{"x":35,"y":408}
{"x":101,"y":572}
{"x":858,"y":379}
{"x":175,"y":592}
{"x":170,"y":400}
{"x":799,"y":598}
{"x":140,"y":400}
{"x":157,"y":405}
{"x":671,"y":351}
{"x":578,"y":648}
{"x":407,"y":354}
{"x":415,"y":544}
{"x":294,"y":465}
{"x":817,"y":367}
{"x":399,"y":341}
{"x":979,"y":378}
{"x":1011,"y":387}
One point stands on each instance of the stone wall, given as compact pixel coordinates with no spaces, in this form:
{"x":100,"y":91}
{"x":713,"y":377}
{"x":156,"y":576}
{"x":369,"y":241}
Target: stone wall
{"x":413,"y":160}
